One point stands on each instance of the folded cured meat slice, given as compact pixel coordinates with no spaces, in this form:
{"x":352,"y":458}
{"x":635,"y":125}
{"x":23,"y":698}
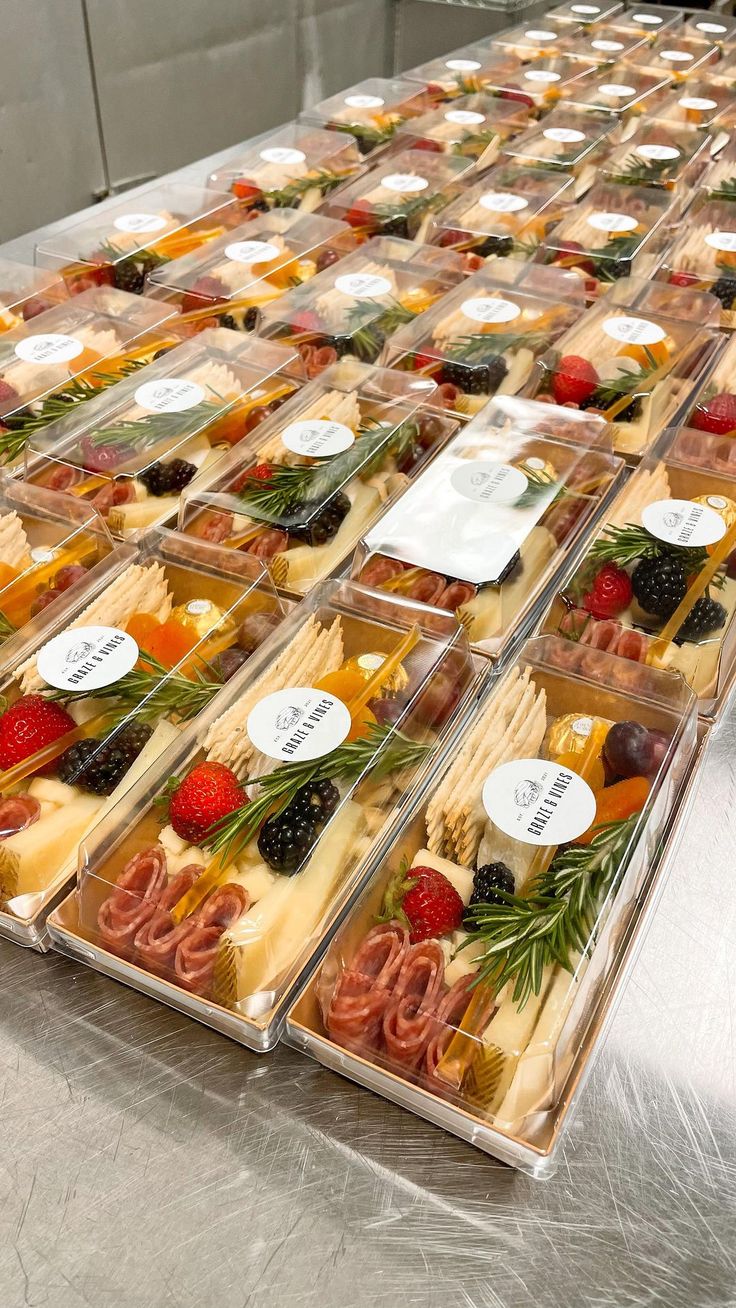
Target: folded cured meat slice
{"x":363,"y":989}
{"x":410,"y":1019}
{"x":16,"y":813}
{"x":133,"y":901}
{"x":194,"y":961}
{"x":158,"y":939}
{"x":450,"y":1013}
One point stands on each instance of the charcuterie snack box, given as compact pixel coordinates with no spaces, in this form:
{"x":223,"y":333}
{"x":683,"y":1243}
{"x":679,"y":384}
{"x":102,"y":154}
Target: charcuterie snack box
{"x":627,"y":92}
{"x":370,"y":111}
{"x":474,"y":127}
{"x":567,"y":140}
{"x":400,"y":194}
{"x":25,"y":292}
{"x":704,"y":256}
{"x":461,"y":72}
{"x":293,"y":168}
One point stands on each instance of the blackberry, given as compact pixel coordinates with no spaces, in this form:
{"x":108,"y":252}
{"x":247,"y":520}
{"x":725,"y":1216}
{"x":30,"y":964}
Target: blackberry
{"x":285,"y":841}
{"x":250,"y":321}
{"x":501,"y":246}
{"x":342,"y":345}
{"x":129,"y":276}
{"x":73,"y":761}
{"x":395,"y":227}
{"x":316,"y":802}
{"x":705,"y":616}
{"x":227,"y":320}
{"x":725,"y":290}
{"x":326,"y":522}
{"x":167,"y":478}
{"x":476,"y":379}
{"x":487,"y":881}
{"x":98,"y":766}
{"x":659,"y":585}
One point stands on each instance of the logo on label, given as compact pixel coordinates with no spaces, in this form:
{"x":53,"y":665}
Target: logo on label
{"x":404,"y":183}
{"x":486,"y":309}
{"x":566,"y":134}
{"x":489,"y":483}
{"x":463,"y":65}
{"x":282,"y":154}
{"x":364,"y":101}
{"x":465,"y":117}
{"x":317,"y":437}
{"x":612,"y":222}
{"x":541,"y":75}
{"x":502,"y":202}
{"x":49,"y":348}
{"x":607,"y":45}
{"x":617,"y":89}
{"x":366,"y":285}
{"x":169,"y":395}
{"x":657,"y":152}
{"x":251,"y":251}
{"x":139,"y":222}
{"x":299,"y":724}
{"x":87,"y":658}
{"x":683,"y":522}
{"x":633,"y":331}
{"x":538,"y":802}
{"x":697,"y":102}
{"x":721,"y":240}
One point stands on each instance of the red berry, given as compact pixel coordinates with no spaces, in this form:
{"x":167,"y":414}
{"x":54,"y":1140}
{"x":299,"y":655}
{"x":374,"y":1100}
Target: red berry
{"x":205,"y":796}
{"x":610,"y":594}
{"x":359,"y":213}
{"x":245,"y":190}
{"x":426,"y":143}
{"x":35,"y":305}
{"x":9,"y":396}
{"x":512,"y":92}
{"x":306,"y":320}
{"x":568,"y":252}
{"x":30,"y":724}
{"x":431,"y":904}
{"x":43,"y":600}
{"x":205,"y":291}
{"x":69,"y":575}
{"x":423,"y":361}
{"x":717,"y":414}
{"x":102,"y":458}
{"x":682,"y":279}
{"x":574,"y":381}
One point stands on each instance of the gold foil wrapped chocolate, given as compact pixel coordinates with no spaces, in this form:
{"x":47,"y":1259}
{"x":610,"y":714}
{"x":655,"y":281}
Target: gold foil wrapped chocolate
{"x":202,"y":617}
{"x":725,"y":508}
{"x":367,"y":665}
{"x":569,"y":733}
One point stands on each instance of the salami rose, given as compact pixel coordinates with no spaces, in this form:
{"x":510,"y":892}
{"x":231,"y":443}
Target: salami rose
{"x":410,"y":1018}
{"x":455,"y":595}
{"x":380,"y":570}
{"x":113,"y":494}
{"x":194,"y":962}
{"x":158,"y":939}
{"x":134,"y":899}
{"x":268,"y":542}
{"x":217,"y":528}
{"x":364,"y":988}
{"x":63,"y":477}
{"x":427,"y":589}
{"x":16,"y":813}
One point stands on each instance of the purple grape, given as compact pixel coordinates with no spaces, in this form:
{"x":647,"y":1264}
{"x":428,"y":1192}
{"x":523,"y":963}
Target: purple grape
{"x":229,"y":661}
{"x":629,"y":749}
{"x":660,"y":745}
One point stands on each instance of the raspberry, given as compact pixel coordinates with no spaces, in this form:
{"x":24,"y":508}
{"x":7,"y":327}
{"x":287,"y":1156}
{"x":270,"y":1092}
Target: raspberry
{"x":717,"y":414}
{"x":610,"y":594}
{"x":569,"y":252}
{"x":102,"y":458}
{"x":574,"y":381}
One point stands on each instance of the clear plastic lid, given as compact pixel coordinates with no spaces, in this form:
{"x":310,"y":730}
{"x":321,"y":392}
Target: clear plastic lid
{"x":225,"y":283}
{"x":659,"y":154}
{"x":699,"y":103}
{"x":68,"y":354}
{"x":603,"y":45}
{"x":704,"y":256}
{"x":131,"y":451}
{"x":314,"y":747}
{"x":351,"y":310}
{"x":723,"y":73}
{"x":541,"y":38}
{"x":677,"y":55}
{"x":544,"y":82}
{"x":614,"y":232}
{"x":110,"y":690}
{"x":719,"y":28}
{"x":482,"y":339}
{"x":293,"y":168}
{"x":119,"y":245}
{"x":315,"y":477}
{"x":713,"y":412}
{"x":25,"y":292}
{"x":621,"y":90}
{"x":719,"y":182}
{"x":586,"y":15}
{"x":399,"y":196}
{"x":487,"y":526}
{"x":632,"y":360}
{"x":371,"y":110}
{"x":464,"y":71}
{"x":507,"y":214}
{"x":566,"y":140}
{"x":650,"y":20}
{"x":528,"y":846}
{"x":473,"y":126}
{"x":655,"y":586}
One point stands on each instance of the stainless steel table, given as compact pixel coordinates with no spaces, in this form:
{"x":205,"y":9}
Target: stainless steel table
{"x":146,"y":1162}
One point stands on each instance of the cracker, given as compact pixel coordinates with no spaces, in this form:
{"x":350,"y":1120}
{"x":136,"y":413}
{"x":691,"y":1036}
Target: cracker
{"x":524,"y":744}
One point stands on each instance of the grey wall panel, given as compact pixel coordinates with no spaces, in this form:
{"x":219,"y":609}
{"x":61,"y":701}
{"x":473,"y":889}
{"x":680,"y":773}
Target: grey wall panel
{"x":178,"y":79}
{"x":50,"y":158}
{"x":425,"y":30}
{"x":341,"y":42}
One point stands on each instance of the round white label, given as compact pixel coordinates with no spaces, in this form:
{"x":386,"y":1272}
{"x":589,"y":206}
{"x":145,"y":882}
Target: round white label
{"x":139,"y":222}
{"x":563,"y":134}
{"x":317,"y":437}
{"x":87,"y":658}
{"x":465,"y":117}
{"x":489,"y":483}
{"x":541,"y":75}
{"x":251,"y":251}
{"x":404,"y":183}
{"x":540,"y":35}
{"x":697,"y":102}
{"x":633,"y":331}
{"x":538,"y":802}
{"x":169,"y":395}
{"x":502,"y":202}
{"x":298,"y":724}
{"x":650,"y":19}
{"x":682,"y":522}
{"x":366,"y":286}
{"x":716,"y":28}
{"x":657,"y":152}
{"x":617,"y":89}
{"x":607,"y":46}
{"x":612,"y":222}
{"x":676,"y":56}
{"x":49,"y":348}
{"x":364,"y":101}
{"x":721,"y":240}
{"x":485,"y":309}
{"x":282,"y":154}
{"x":463,"y":65}
{"x":584,"y":9}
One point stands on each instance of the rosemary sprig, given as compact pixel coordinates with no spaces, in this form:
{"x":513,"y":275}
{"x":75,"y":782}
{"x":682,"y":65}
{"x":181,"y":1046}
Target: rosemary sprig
{"x":123,"y":260}
{"x":407,"y":211}
{"x":6,"y":627}
{"x":607,"y":262}
{"x":724,"y":190}
{"x":19,"y":427}
{"x":367,"y":136}
{"x":156,"y":427}
{"x":286,"y":196}
{"x":613,"y":389}
{"x":480,"y":347}
{"x":156,"y":692}
{"x":636,"y":171}
{"x":539,"y":482}
{"x":367,"y":342}
{"x":382,"y":751}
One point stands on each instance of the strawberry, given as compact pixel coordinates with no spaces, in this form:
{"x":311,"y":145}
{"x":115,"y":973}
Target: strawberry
{"x":512,"y":92}
{"x":306,"y":320}
{"x":245,"y":190}
{"x":423,"y":361}
{"x":682,"y":279}
{"x":35,"y":305}
{"x":359,"y":213}
{"x":718,"y":414}
{"x":261,"y":472}
{"x":30,"y":724}
{"x":426,"y":901}
{"x":209,"y":289}
{"x":574,"y":380}
{"x":567,"y":255}
{"x":426,"y":143}
{"x":611,"y":592}
{"x":204,"y":797}
{"x":102,"y":458}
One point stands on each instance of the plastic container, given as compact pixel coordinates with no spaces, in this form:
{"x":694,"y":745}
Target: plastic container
{"x":566,"y":140}
{"x":660,"y":154}
{"x":400,"y":195}
{"x":350,"y":310}
{"x":700,"y":103}
{"x":225,"y":283}
{"x":506,"y":215}
{"x":713,"y":411}
{"x":542,"y":38}
{"x":25,"y":292}
{"x":293,"y":168}
{"x":320,"y":472}
{"x":464,"y":71}
{"x":123,"y":242}
{"x":704,"y":256}
{"x":487,"y":1045}
{"x":163,"y":628}
{"x":273,"y":908}
{"x":603,"y":45}
{"x":473,"y":126}
{"x":719,"y":181}
{"x":626,"y":92}
{"x":541,"y":84}
{"x":486,"y":529}
{"x":482,"y":339}
{"x":723,"y":73}
{"x":131,"y":451}
{"x":650,"y":20}
{"x":718,"y":28}
{"x":371,"y":111}
{"x":68,"y":354}
{"x":666,"y":599}
{"x":678,"y":56}
{"x":586,"y":15}
{"x":614,"y":232}
{"x":636,"y":360}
